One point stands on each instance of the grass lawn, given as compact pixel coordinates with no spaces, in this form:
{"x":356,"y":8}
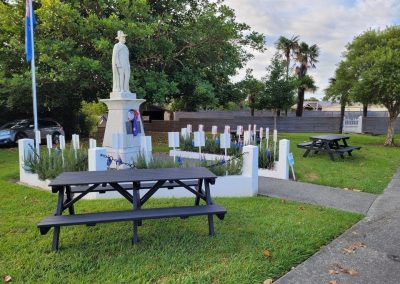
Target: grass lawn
{"x":171,"y":250}
{"x":369,"y":169}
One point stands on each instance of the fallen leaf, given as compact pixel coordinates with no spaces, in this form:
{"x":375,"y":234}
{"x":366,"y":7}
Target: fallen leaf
{"x":349,"y":271}
{"x":332,"y":282}
{"x":268,"y":281}
{"x":266,"y":253}
{"x":333,"y":272}
{"x":301,"y":207}
{"x":353,"y":247}
{"x":356,"y":190}
{"x":283,"y":201}
{"x":7,"y":278}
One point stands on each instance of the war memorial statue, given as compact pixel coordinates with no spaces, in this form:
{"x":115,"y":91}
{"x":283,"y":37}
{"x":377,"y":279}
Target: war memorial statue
{"x":120,"y":64}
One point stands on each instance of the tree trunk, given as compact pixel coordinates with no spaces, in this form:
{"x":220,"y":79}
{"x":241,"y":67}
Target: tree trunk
{"x":278,"y":112}
{"x":252,"y":111}
{"x":365,"y":110}
{"x":342,"y":108}
{"x":285,"y":112}
{"x":300,"y":102}
{"x":389,"y":141}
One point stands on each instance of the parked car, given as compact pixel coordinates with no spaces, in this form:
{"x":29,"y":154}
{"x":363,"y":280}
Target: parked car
{"x":12,"y":131}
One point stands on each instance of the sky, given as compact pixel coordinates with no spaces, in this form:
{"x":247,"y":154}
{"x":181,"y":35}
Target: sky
{"x":330,"y":24}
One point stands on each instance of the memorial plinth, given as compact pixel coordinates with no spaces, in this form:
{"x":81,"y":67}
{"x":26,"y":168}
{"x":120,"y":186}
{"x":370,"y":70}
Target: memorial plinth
{"x":128,"y":146}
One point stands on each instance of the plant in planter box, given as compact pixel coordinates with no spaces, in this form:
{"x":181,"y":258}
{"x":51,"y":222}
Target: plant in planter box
{"x":266,"y":157}
{"x":50,"y":165}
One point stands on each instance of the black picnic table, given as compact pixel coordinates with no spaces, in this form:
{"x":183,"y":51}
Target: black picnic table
{"x":330,"y":144}
{"x":73,"y":186}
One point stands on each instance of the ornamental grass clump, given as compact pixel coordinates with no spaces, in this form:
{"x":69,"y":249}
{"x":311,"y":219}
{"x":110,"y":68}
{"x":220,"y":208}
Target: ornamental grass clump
{"x":49,"y":165}
{"x":267,"y":156}
{"x":232,"y":166}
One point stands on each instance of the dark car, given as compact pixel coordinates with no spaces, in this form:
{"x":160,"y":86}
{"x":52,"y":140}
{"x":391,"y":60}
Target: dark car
{"x":11,"y":132}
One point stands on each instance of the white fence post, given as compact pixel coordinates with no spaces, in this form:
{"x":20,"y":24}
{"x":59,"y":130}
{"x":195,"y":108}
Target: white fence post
{"x":146,"y":148}
{"x":359,"y":125}
{"x":250,"y":166}
{"x":25,"y":149}
{"x":283,"y":162}
{"x":97,"y":159}
{"x":92,"y":143}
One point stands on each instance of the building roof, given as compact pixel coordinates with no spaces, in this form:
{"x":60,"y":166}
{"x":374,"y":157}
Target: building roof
{"x":354,"y":107}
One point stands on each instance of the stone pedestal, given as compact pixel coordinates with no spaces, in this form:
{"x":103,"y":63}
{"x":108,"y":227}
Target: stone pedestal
{"x":119,"y":105}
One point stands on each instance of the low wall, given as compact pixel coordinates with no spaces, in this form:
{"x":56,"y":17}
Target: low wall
{"x":245,"y":184}
{"x":284,"y":124}
{"x":178,"y":115}
{"x":378,"y":125}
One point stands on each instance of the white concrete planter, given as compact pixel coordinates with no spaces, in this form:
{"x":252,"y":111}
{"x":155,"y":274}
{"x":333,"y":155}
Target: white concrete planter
{"x":271,"y":173}
{"x":30,"y":179}
{"x":196,"y":155}
{"x":226,"y":186}
{"x":33,"y":180}
{"x":281,"y":166}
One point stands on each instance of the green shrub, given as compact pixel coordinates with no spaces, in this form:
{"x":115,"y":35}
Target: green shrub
{"x":48,"y":166}
{"x":91,"y":113}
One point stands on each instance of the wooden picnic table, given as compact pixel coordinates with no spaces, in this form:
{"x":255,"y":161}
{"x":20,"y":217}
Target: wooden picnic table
{"x":330,"y":144}
{"x":73,"y":186}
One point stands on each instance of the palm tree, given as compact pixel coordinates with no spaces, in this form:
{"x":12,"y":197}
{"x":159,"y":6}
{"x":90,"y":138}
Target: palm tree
{"x":306,"y":56}
{"x":288,"y":47}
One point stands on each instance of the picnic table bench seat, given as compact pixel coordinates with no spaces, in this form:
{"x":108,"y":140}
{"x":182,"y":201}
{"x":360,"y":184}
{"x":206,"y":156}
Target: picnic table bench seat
{"x":348,"y":149}
{"x":129,"y":215}
{"x":304,"y":145}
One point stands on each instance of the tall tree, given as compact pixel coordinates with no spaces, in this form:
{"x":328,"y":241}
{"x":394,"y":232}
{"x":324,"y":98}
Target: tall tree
{"x":306,"y":56}
{"x":339,"y":89}
{"x":354,"y":52}
{"x":374,"y":61}
{"x":288,"y":47}
{"x":252,"y":88}
{"x":279,"y":89}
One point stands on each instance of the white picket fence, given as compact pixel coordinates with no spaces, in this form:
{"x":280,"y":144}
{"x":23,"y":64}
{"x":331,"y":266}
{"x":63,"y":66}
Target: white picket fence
{"x":352,"y":124}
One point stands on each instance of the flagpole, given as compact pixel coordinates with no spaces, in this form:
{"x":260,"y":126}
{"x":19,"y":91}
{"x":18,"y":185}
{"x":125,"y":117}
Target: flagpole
{"x":35,"y":119}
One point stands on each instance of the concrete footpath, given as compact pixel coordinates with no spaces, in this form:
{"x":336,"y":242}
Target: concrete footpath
{"x":326,"y":196}
{"x":369,"y":252}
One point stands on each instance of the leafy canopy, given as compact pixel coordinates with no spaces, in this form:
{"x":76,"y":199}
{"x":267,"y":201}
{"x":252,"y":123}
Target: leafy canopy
{"x":182,"y":52}
{"x":279,"y":89}
{"x":370,"y":72}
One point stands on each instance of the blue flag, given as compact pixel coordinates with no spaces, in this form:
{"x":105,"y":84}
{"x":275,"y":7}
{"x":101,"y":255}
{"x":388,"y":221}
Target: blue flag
{"x":29,"y":30}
